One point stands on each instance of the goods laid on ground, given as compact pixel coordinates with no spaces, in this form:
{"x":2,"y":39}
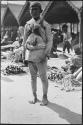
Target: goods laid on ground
{"x":67,"y":81}
{"x":12,"y":69}
{"x":62,"y":77}
{"x":12,"y":55}
{"x":63,"y":56}
{"x":54,"y":74}
{"x":4,"y":55}
{"x":7,"y":47}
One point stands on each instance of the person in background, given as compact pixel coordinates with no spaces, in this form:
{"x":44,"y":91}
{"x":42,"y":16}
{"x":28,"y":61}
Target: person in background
{"x":4,"y":41}
{"x":20,"y":32}
{"x":18,"y":45}
{"x":77,"y":58}
{"x":38,"y":66}
{"x":66,"y":39}
{"x":75,"y":62}
{"x":54,"y":46}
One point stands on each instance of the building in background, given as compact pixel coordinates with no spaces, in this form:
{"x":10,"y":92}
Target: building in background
{"x":9,"y":18}
{"x":56,"y":13}
{"x":60,"y":12}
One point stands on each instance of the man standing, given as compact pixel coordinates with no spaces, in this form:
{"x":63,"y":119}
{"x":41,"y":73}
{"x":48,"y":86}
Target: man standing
{"x":66,"y":38}
{"x":38,"y":65}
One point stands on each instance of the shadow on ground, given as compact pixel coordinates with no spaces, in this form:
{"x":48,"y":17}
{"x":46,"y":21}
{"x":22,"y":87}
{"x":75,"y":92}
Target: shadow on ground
{"x":71,"y":117}
{"x":6,"y":79}
{"x":22,"y":74}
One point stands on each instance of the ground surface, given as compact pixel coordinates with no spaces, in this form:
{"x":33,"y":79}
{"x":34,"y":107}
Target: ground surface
{"x":63,"y":107}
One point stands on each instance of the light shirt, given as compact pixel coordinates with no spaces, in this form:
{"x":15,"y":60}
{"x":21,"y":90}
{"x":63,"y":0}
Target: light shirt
{"x":45,"y":34}
{"x":67,"y":37}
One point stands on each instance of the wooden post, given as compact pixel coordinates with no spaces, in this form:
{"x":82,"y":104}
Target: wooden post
{"x":81,"y":26}
{"x":71,"y":27}
{"x":77,"y":27}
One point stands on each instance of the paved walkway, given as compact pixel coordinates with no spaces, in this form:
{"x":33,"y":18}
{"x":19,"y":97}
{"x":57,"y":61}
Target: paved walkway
{"x":63,"y":107}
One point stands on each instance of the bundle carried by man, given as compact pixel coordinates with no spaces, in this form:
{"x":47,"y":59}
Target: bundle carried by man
{"x":35,"y":40}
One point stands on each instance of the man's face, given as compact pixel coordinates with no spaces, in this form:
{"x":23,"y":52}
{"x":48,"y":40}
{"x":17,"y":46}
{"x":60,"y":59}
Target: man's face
{"x":35,"y":12}
{"x":64,"y":29}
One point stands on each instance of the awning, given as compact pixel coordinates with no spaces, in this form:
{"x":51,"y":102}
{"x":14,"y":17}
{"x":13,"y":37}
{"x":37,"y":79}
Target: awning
{"x":62,"y":12}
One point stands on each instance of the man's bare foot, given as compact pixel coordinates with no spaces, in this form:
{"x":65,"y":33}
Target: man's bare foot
{"x":35,"y":100}
{"x":44,"y":101}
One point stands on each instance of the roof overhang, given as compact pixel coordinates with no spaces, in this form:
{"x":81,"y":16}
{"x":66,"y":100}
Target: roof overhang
{"x":24,"y":14}
{"x":62,"y":12}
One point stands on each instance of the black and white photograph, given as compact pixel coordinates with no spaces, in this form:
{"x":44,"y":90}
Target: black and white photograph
{"x":41,"y":61}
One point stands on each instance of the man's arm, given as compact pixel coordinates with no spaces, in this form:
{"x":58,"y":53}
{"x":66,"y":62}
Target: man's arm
{"x":30,"y":47}
{"x":69,"y":38}
{"x":49,"y":39}
{"x":24,"y":41}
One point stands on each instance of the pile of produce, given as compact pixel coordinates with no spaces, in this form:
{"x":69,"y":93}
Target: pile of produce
{"x":54,"y":74}
{"x":12,"y":69}
{"x":69,"y":83}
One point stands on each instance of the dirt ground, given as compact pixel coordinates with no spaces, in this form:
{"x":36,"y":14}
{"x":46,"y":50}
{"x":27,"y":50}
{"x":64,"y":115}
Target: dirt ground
{"x":63,"y":107}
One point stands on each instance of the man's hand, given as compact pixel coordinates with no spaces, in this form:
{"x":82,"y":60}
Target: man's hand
{"x":37,"y":26}
{"x":43,"y":58}
{"x":30,"y":47}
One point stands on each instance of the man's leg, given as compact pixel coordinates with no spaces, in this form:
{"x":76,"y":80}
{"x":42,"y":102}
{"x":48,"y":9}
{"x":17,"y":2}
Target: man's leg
{"x":33,"y":72}
{"x":68,"y":47}
{"x":42,"y":67}
{"x":64,"y":47}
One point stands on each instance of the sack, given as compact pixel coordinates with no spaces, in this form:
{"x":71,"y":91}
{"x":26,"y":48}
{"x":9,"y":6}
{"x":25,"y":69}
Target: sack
{"x":35,"y":55}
